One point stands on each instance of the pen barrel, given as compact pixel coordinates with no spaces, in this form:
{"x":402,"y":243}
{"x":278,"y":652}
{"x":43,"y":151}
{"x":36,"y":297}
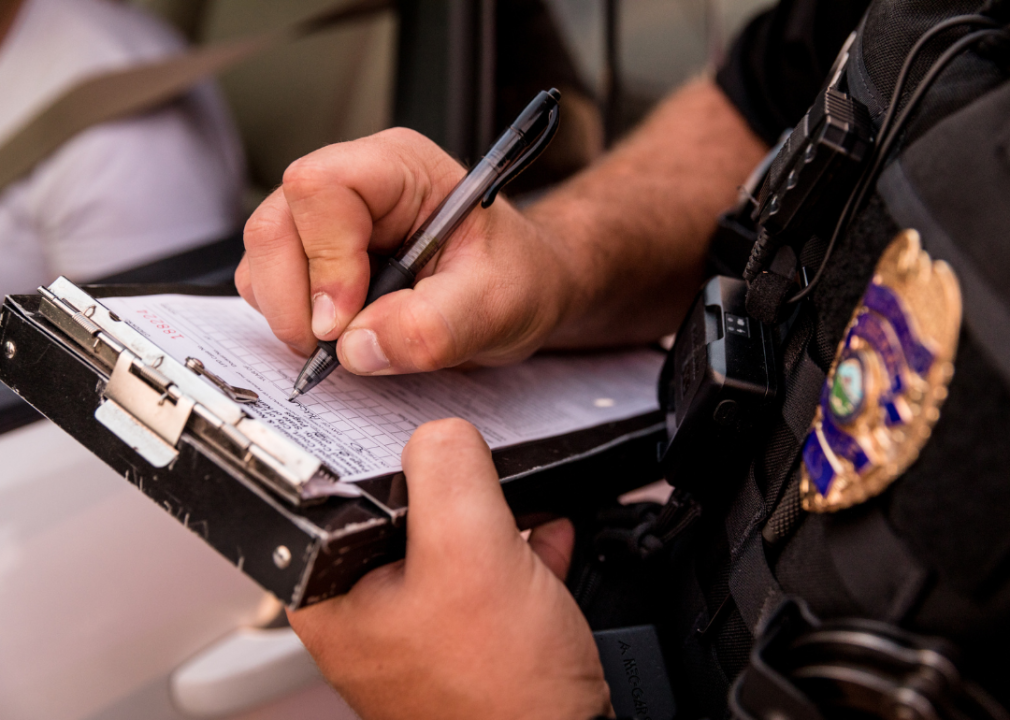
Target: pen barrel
{"x":448,"y":216}
{"x":391,"y":278}
{"x":506,"y":149}
{"x":327,"y":346}
{"x":507,"y":152}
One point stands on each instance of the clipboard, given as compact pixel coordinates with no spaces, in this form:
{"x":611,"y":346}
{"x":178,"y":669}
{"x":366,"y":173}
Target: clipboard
{"x":239,"y":484}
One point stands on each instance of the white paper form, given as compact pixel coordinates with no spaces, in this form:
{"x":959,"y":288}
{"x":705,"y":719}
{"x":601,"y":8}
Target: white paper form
{"x":358,"y":426}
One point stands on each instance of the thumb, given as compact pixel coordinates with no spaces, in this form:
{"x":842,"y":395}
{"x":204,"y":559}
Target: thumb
{"x":458,"y":517}
{"x":476,"y":306}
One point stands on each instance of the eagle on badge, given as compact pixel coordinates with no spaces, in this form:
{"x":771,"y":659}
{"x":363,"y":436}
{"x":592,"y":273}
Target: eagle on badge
{"x":889,"y":378}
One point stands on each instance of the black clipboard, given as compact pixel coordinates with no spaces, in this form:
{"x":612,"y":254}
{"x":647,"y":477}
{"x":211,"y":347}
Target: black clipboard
{"x":53,"y":355}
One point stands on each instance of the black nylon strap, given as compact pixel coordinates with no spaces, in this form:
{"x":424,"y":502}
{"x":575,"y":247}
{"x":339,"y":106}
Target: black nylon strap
{"x":803,"y":390}
{"x":985,"y":313}
{"x":787,"y":514}
{"x":752,"y":584}
{"x":886,"y":587}
{"x":755,"y":590}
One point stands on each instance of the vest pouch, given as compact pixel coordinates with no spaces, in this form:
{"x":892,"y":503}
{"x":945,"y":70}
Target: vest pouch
{"x":805,"y":669}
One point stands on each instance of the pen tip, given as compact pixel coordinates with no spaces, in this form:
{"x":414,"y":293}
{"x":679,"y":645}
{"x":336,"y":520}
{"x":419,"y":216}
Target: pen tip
{"x":294,"y":394}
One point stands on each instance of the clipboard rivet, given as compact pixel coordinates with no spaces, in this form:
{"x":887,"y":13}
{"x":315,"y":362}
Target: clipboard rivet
{"x":10,"y":349}
{"x":282,"y":556}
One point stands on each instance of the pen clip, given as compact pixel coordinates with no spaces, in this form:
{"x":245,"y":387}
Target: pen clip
{"x":524,"y":160}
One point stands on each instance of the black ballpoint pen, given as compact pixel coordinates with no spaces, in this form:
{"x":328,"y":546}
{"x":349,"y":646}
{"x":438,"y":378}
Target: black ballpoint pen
{"x":520,"y":144}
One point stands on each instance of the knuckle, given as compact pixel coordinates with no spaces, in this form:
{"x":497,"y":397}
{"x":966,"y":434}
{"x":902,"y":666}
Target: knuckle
{"x":428,"y":165}
{"x":262,"y":230}
{"x":242,"y":281}
{"x":446,"y":172}
{"x":405,"y":137}
{"x":303,"y":177}
{"x":288,"y":329}
{"x":427,"y":338}
{"x":329,"y":258}
{"x":246,"y":292}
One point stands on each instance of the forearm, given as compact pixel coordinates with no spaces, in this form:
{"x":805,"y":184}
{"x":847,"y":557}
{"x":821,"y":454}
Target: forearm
{"x":632,"y":230}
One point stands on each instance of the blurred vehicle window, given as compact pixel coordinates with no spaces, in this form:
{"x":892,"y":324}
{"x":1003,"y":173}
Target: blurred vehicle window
{"x":119,"y":194}
{"x":336,"y":85}
{"x":613,"y":61}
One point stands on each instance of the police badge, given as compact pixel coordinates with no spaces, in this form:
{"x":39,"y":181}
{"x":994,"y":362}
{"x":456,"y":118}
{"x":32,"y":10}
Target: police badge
{"x":883,"y":392}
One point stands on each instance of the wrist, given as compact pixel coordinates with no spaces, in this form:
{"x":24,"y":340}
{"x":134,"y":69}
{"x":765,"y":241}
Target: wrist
{"x":560,"y":285}
{"x":560,"y":227}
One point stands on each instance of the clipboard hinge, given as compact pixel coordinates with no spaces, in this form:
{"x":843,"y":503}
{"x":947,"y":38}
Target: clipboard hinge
{"x":150,"y":400}
{"x":78,"y":324}
{"x":150,"y":397}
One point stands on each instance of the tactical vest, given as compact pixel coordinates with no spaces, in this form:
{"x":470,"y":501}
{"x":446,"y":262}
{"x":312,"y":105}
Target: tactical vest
{"x":932,"y":553}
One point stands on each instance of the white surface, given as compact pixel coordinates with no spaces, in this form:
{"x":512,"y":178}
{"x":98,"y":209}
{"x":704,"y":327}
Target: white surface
{"x":103,"y":594}
{"x":358,"y":426}
{"x":248,"y":668}
{"x":657,"y":492}
{"x":120,"y":194}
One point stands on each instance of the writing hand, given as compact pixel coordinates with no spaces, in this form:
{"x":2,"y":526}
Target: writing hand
{"x":493,"y":295}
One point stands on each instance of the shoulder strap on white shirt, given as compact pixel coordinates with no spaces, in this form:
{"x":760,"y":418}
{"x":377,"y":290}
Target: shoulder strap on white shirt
{"x":121,"y":93}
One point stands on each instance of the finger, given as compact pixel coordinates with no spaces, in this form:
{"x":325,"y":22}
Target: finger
{"x":553,"y":543}
{"x":336,"y":630}
{"x":458,"y":516}
{"x":335,"y":227}
{"x":367,"y":597}
{"x":352,"y":197}
{"x":278,"y":272}
{"x":243,"y":283}
{"x":473,"y":308}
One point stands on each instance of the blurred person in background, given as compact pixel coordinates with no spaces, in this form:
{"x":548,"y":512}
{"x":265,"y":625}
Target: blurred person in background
{"x":121,"y":194}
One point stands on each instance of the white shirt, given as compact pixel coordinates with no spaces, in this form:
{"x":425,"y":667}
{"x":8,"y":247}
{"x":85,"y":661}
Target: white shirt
{"x":120,"y":194}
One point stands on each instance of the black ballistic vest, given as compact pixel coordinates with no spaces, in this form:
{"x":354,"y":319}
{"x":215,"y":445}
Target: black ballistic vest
{"x":932,"y":553}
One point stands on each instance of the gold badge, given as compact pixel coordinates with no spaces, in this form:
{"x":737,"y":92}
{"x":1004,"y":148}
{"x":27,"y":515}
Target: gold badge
{"x":883,"y":393}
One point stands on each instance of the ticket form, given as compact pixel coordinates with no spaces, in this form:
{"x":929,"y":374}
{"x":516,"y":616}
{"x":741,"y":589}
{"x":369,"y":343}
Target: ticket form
{"x":357,"y":426}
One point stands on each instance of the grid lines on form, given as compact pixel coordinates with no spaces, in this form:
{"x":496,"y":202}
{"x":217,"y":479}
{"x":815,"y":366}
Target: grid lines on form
{"x":362,"y":417}
{"x":340,"y":403}
{"x":265,"y":363}
{"x":358,"y":426}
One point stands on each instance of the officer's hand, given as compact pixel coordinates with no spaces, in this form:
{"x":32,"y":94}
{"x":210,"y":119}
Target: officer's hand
{"x":472,"y":624}
{"x":492,"y":296}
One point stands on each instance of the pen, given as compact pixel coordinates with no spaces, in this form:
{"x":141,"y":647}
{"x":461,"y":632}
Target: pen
{"x":513,"y":151}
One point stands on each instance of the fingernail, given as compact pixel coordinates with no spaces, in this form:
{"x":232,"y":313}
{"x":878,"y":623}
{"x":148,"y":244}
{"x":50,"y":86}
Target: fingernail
{"x":362,"y":352}
{"x":324,"y":315}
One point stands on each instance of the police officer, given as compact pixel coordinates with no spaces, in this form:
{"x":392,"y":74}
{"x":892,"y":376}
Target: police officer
{"x":476,"y":622}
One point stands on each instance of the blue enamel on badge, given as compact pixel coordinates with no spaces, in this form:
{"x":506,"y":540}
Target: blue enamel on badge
{"x":883,"y":393}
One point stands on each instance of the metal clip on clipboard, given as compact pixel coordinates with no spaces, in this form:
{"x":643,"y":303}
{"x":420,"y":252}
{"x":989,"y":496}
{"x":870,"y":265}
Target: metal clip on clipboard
{"x":151,"y":399}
